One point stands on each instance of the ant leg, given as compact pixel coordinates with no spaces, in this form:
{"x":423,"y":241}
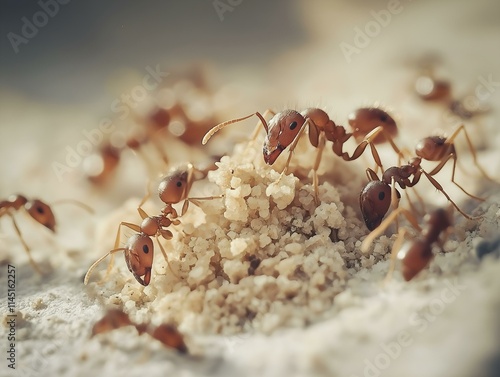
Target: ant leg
{"x":256,"y":130}
{"x":26,"y":247}
{"x":440,"y":166}
{"x":385,"y":224}
{"x":220,"y":126}
{"x":159,"y":148}
{"x":396,"y":247}
{"x":420,"y":200}
{"x":166,"y":258}
{"x":410,"y":202}
{"x":76,"y":203}
{"x":91,"y":268}
{"x":440,"y":188}
{"x":195,"y":201}
{"x":135,"y":228}
{"x":394,"y":200}
{"x":292,"y":147}
{"x":362,"y":146}
{"x":472,"y":150}
{"x":146,"y":197}
{"x":319,"y":154}
{"x":372,"y":175}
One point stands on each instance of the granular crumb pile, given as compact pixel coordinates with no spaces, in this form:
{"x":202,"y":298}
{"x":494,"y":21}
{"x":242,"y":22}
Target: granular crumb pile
{"x":262,"y":257}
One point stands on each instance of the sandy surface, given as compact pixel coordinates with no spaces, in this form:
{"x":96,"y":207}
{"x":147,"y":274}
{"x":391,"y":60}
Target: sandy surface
{"x":316,"y":305}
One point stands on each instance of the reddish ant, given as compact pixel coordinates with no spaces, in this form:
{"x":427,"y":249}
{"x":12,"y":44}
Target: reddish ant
{"x":185,"y":112}
{"x":417,"y":255}
{"x":38,"y":210}
{"x":377,"y":196}
{"x":432,"y":89}
{"x":285,"y":128}
{"x":165,"y":333}
{"x":380,"y":194}
{"x":100,"y":166}
{"x":138,"y":251}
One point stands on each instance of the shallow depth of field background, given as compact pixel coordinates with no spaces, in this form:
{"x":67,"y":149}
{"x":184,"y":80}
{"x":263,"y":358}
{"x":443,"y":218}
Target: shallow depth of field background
{"x":279,"y":54}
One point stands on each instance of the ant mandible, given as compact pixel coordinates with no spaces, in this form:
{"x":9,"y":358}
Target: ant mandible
{"x":40,"y":211}
{"x":418,"y":254}
{"x":138,"y":251}
{"x":285,"y":128}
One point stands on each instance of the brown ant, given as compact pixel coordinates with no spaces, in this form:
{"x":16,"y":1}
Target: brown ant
{"x":432,"y":89}
{"x":185,"y":112}
{"x":138,"y":251}
{"x":376,"y":197}
{"x":380,"y":194}
{"x":100,"y":166}
{"x":418,"y":254}
{"x":40,"y":211}
{"x":165,"y":333}
{"x":285,"y":128}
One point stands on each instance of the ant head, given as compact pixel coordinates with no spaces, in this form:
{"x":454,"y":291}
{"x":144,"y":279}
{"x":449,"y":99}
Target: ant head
{"x":283,"y":128}
{"x":374,"y":200}
{"x":139,"y":257}
{"x":174,"y":187}
{"x":415,"y":258}
{"x":366,"y":119}
{"x":42,"y":213}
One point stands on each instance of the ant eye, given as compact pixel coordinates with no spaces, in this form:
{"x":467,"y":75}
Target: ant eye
{"x":293,"y":125}
{"x":381,"y":195}
{"x":40,"y":210}
{"x":145,"y":248}
{"x":179,"y":183}
{"x":383,"y":117}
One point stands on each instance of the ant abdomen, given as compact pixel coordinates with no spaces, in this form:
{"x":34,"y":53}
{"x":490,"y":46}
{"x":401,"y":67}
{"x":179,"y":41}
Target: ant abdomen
{"x":433,"y":148}
{"x":366,"y":119}
{"x":417,"y":257}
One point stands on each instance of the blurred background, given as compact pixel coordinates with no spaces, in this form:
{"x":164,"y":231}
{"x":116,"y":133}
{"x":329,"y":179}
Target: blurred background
{"x":65,"y":64}
{"x":62,"y":76}
{"x":68,"y":66}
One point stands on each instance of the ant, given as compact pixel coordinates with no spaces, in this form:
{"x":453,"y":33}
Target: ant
{"x":100,"y":166}
{"x":417,"y":255}
{"x":377,"y":196}
{"x":380,"y":194}
{"x":138,"y":251}
{"x":185,"y":111}
{"x":165,"y":333}
{"x":432,"y":89}
{"x":40,"y":211}
{"x":285,"y":128}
